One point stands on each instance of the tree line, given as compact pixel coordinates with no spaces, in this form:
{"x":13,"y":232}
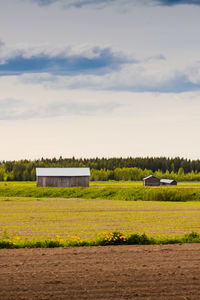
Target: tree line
{"x":107,"y":168}
{"x":135,"y":174}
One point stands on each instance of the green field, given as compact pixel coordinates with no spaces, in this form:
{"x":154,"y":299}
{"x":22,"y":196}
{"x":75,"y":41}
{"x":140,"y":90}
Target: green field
{"x":46,"y":213}
{"x":99,"y":191}
{"x":110,"y":183}
{"x":46,"y":218}
{"x":122,"y":183}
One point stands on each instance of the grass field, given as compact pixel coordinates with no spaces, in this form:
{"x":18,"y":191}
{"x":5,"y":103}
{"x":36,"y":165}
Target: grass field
{"x":110,"y":183}
{"x":99,"y":191}
{"x":28,"y":212}
{"x":47,"y":218}
{"x":122,"y":183}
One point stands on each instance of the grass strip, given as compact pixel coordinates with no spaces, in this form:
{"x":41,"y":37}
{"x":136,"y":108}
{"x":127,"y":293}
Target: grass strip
{"x":106,"y":239}
{"x":127,"y":194}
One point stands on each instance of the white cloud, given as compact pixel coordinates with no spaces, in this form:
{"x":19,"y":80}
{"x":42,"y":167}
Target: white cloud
{"x":96,"y":68}
{"x":14,"y":109}
{"x":152,"y":74}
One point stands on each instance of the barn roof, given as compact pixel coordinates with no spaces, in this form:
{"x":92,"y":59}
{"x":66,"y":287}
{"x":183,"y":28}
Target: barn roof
{"x":150,"y":176}
{"x":62,"y":171}
{"x":167,"y":181}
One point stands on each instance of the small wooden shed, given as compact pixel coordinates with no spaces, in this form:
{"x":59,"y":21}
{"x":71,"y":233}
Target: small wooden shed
{"x":168,"y":182}
{"x":151,"y":181}
{"x":62,"y":177}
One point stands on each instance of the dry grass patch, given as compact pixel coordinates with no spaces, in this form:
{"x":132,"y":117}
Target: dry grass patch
{"x":46,"y":218}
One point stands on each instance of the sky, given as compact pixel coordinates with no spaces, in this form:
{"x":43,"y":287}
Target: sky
{"x":99,"y":78}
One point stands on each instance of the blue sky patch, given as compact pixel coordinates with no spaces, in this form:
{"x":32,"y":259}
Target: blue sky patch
{"x":104,"y":61}
{"x":81,"y":3}
{"x":178,"y":2}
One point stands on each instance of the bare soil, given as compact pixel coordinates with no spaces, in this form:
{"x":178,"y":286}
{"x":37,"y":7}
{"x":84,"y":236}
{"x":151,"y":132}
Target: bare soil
{"x":115,"y":272}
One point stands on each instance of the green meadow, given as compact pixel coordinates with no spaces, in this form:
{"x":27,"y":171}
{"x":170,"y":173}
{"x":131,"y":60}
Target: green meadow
{"x":109,"y":183}
{"x":128,"y":191}
{"x":28,"y":213}
{"x":47,"y":218}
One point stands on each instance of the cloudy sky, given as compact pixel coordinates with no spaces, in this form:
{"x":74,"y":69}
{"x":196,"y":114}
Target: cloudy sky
{"x":89,"y":78}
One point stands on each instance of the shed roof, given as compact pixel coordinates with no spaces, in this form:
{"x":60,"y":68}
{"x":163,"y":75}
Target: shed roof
{"x":62,"y":171}
{"x":150,"y":176}
{"x":167,"y":181}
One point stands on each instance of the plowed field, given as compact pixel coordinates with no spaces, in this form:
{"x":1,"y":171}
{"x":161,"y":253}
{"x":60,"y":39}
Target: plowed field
{"x":115,"y":272}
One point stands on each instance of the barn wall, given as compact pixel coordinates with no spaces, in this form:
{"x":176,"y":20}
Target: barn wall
{"x":63,"y":181}
{"x":152,"y":182}
{"x":174,"y":182}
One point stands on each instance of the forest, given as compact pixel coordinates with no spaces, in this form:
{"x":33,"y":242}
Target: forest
{"x":103,"y":169}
